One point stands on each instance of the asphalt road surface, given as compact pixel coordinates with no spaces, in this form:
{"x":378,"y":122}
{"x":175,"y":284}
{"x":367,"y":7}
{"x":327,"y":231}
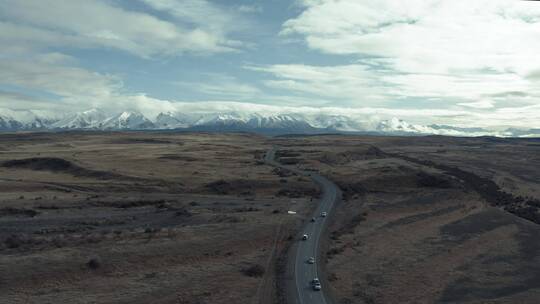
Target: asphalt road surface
{"x":304,"y":273}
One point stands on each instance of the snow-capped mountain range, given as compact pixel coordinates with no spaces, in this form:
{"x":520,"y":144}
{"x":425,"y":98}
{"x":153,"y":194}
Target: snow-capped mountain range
{"x":96,"y":119}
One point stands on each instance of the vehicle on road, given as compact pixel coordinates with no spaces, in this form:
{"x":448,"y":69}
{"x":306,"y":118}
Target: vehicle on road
{"x":316,"y":284}
{"x":303,"y":263}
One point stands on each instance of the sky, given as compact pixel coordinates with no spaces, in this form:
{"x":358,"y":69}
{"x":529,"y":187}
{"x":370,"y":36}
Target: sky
{"x":461,"y":62}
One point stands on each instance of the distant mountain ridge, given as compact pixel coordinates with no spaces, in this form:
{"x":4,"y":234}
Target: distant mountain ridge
{"x":289,"y":123}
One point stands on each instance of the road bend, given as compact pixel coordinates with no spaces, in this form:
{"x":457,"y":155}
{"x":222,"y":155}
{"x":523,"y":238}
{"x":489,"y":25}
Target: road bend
{"x":304,"y":272}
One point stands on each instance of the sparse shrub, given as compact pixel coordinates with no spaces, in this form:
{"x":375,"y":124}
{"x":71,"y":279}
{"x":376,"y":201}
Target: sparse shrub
{"x":14,"y":241}
{"x":292,"y":193}
{"x":246,"y":209}
{"x":374,"y":280}
{"x":362,"y":294}
{"x":183,"y":212}
{"x":219,"y":187}
{"x":150,"y":275}
{"x":282,"y":172}
{"x":289,"y":160}
{"x":254,"y":271}
{"x":432,"y":181}
{"x":59,"y":242}
{"x":332,"y":277}
{"x":48,"y":207}
{"x":94,"y":263}
{"x":335,"y":250}
{"x":93,"y":238}
{"x":18,"y":212}
{"x":134,"y":204}
{"x":349,"y":226}
{"x":533,"y":203}
{"x":352,"y":189}
{"x":164,"y":205}
{"x":530,"y":213}
{"x":221,"y":218}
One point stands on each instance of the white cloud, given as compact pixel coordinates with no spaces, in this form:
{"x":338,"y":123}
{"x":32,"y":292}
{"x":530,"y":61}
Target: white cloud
{"x":101,"y":24}
{"x":58,"y":85}
{"x":222,"y":86}
{"x":250,"y":9}
{"x":201,"y":13}
{"x":527,"y":117}
{"x":433,"y":48}
{"x":482,"y":104}
{"x":20,"y":101}
{"x":465,"y":86}
{"x":64,"y":81}
{"x":468,"y":62}
{"x":425,"y":34}
{"x":352,"y":83}
{"x":29,"y":30}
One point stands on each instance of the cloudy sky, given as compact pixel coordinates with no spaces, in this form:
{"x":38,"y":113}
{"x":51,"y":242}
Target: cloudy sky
{"x":462,"y":62}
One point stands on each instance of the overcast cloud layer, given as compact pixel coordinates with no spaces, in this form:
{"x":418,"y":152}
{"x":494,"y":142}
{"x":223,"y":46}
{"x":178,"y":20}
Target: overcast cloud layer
{"x":431,"y":61}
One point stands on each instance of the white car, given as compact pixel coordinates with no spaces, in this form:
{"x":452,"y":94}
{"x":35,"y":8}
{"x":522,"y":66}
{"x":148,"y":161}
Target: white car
{"x":324,"y":214}
{"x":311,"y":260}
{"x":304,"y":237}
{"x":316,"y":284}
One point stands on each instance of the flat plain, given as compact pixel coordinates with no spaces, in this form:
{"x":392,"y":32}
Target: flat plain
{"x":141,"y":217}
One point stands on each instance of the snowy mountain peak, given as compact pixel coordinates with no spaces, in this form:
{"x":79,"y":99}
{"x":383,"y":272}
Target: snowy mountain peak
{"x":280,"y":123}
{"x":128,"y":120}
{"x":171,"y":120}
{"x":91,"y":119}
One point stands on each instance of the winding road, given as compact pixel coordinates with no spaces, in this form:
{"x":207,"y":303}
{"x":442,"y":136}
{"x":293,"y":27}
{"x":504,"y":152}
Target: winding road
{"x":304,"y":273}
